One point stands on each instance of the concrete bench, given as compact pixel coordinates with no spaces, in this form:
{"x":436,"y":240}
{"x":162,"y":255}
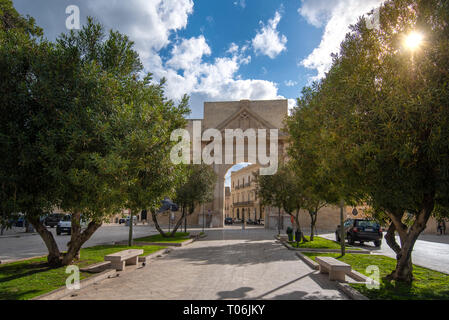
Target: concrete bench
{"x":124,"y":258}
{"x":337,"y":270}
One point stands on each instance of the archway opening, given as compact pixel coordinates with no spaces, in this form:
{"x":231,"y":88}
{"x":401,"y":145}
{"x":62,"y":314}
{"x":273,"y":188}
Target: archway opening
{"x":241,"y":205}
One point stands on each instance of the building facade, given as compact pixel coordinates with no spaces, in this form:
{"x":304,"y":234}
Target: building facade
{"x":228,"y":202}
{"x":245,"y":204}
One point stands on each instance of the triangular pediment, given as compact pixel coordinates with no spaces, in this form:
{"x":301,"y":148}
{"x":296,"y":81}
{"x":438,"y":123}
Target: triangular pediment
{"x":245,"y":119}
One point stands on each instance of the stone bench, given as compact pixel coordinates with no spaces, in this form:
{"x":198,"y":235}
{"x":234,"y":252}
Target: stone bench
{"x":337,"y":270}
{"x":124,"y":258}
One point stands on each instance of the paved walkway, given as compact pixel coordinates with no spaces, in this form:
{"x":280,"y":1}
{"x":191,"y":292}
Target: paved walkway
{"x":228,"y":264}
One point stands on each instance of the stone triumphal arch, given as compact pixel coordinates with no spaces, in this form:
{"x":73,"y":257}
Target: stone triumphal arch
{"x":244,"y":115}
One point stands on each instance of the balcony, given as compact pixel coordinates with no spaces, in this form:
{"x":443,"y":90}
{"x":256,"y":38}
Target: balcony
{"x":244,"y":204}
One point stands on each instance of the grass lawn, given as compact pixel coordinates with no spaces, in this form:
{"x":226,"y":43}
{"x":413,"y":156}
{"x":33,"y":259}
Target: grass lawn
{"x":27,"y":279}
{"x":319,"y":243}
{"x":428,"y":284}
{"x":179,"y":237}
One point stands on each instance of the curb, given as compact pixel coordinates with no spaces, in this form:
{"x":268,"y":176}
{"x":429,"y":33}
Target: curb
{"x":350,"y":291}
{"x":312,"y":264}
{"x":19,"y":235}
{"x":63,"y":292}
{"x":153,"y":255}
{"x":162,"y":244}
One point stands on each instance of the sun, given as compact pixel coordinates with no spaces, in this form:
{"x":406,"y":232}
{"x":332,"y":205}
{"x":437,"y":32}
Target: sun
{"x":414,"y":40}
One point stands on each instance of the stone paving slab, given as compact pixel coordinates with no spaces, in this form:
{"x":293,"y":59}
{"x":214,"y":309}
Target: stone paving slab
{"x":228,"y":264}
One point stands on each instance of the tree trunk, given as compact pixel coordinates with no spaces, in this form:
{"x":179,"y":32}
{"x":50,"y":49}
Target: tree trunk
{"x":156,"y":224}
{"x":78,"y":238}
{"x":404,"y":266}
{"x":391,"y":239}
{"x":298,"y":225}
{"x":313,"y":217}
{"x":54,"y":257}
{"x":178,"y":224}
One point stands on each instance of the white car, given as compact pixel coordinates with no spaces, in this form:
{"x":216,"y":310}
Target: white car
{"x":65,"y":225}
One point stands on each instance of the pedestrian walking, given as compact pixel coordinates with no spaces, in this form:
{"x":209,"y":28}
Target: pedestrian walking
{"x":440,"y":227}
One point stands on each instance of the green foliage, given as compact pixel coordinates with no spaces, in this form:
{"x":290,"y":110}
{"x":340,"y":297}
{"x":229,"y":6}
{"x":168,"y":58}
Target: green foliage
{"x":197,"y":188}
{"x":10,"y":19}
{"x":82,"y":127}
{"x":376,"y":128}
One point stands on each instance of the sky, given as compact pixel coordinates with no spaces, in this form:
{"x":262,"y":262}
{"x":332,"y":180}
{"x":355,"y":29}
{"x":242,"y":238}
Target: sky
{"x":220,"y":50}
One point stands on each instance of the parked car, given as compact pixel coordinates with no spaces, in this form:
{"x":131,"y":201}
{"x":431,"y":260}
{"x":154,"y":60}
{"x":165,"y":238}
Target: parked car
{"x":229,"y":221}
{"x":127,"y":221}
{"x":53,"y":219}
{"x":361,"y":230}
{"x":65,"y":225}
{"x":20,"y":222}
{"x":122,"y":220}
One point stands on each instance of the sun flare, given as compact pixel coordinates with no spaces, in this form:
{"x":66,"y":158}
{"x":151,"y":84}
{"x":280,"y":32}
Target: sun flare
{"x":414,"y":40}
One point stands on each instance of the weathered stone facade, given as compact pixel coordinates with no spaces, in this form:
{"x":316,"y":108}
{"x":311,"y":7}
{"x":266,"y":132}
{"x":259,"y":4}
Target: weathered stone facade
{"x":243,"y":115}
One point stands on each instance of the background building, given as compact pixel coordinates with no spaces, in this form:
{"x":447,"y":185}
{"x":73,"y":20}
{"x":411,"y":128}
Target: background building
{"x":245,"y":203}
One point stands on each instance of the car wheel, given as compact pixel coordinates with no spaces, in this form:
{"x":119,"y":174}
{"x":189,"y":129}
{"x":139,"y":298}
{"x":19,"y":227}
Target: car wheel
{"x":378,"y":243}
{"x":350,"y":239}
{"x":58,"y":233}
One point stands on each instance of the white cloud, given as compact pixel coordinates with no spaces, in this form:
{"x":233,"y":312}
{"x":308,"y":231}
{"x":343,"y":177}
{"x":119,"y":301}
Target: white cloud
{"x":241,"y":3}
{"x":150,"y":23}
{"x":291,"y":104}
{"x":268,"y":41}
{"x":189,"y":53}
{"x":290,"y":83}
{"x":233,"y":48}
{"x":336,"y":16}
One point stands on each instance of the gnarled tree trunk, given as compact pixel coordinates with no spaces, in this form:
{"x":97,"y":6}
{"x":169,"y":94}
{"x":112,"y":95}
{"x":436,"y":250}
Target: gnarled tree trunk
{"x":78,"y":238}
{"x":178,"y":224}
{"x":54,"y":257}
{"x":408,"y":236}
{"x":156,"y":224}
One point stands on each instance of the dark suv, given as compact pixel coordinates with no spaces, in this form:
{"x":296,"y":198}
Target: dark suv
{"x":53,"y":219}
{"x":229,"y":221}
{"x":362,"y":230}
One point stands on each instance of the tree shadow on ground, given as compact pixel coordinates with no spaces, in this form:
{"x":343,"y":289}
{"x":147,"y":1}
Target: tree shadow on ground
{"x":239,"y":293}
{"x":248,"y":253}
{"x":12,"y":271}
